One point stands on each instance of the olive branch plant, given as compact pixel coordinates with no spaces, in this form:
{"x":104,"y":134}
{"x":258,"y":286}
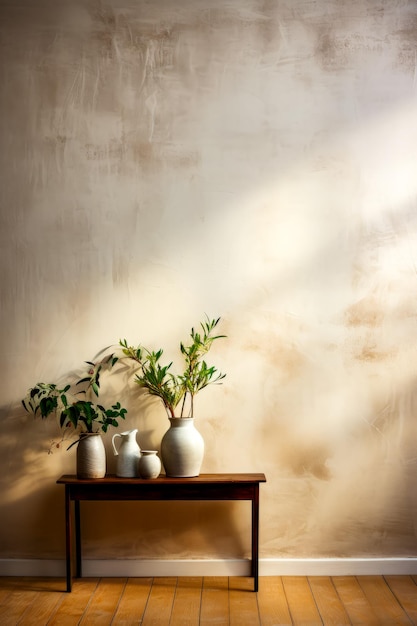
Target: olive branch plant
{"x":178,"y":389}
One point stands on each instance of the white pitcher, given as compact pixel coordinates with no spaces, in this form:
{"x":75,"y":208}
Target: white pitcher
{"x":128,"y":454}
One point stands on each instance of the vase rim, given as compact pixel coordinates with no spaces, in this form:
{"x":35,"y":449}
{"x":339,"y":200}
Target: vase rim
{"x":181,"y":422}
{"x":181,"y":418}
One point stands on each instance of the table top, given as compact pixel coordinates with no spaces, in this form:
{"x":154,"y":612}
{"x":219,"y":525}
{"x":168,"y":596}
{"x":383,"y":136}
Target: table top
{"x":209,"y":479}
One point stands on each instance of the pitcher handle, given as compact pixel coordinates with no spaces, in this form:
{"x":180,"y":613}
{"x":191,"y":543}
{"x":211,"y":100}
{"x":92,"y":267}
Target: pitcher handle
{"x":113,"y":444}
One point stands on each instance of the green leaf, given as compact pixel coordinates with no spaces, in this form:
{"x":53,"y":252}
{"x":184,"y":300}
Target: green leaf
{"x":48,"y":405}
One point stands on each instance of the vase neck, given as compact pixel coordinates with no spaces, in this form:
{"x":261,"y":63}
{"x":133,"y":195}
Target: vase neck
{"x":181,"y":421}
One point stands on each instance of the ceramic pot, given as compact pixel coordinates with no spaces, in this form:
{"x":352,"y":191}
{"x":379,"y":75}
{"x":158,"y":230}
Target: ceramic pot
{"x":128,"y":454}
{"x":182,"y":448}
{"x":149,"y":464}
{"x":91,"y":456}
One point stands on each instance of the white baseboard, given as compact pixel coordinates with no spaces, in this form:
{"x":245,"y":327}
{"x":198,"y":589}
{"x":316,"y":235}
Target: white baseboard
{"x":338,"y":567}
{"x":213,"y":567}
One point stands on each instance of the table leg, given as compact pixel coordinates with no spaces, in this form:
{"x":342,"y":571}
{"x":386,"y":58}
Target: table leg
{"x":255,"y":537}
{"x":78,"y":539}
{"x":68,"y":536}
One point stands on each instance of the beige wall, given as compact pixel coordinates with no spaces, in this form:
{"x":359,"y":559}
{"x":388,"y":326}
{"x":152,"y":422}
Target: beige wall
{"x":249,"y":159}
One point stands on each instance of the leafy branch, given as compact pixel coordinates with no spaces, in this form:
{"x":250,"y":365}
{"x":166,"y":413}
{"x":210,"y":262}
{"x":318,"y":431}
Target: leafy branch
{"x":173,"y":389}
{"x":45,"y":399}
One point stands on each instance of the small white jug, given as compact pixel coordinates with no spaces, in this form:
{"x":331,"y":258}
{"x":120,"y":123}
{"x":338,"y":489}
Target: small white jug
{"x":128,"y":454}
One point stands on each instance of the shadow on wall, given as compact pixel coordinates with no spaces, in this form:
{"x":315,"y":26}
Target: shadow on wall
{"x":30,"y":496}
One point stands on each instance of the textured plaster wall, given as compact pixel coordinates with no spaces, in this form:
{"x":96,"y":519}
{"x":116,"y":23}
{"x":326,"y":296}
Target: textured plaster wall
{"x":251,"y":159}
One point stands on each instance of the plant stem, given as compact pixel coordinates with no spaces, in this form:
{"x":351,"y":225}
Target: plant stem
{"x":183,"y":404}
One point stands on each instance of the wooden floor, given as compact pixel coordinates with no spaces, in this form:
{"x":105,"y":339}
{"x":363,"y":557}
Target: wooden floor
{"x":339,"y":600}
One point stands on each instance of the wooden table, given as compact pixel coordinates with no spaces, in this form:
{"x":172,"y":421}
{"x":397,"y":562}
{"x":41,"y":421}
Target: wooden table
{"x":203,"y":487}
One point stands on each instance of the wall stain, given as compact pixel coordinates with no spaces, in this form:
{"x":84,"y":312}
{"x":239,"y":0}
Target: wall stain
{"x":144,"y":152}
{"x":117,"y":35}
{"x":302,"y":457}
{"x":365,"y":312}
{"x":371,"y":353}
{"x":113,"y":150}
{"x":408,"y":27}
{"x":104,"y":32}
{"x":337,"y":51}
{"x":151,"y":154}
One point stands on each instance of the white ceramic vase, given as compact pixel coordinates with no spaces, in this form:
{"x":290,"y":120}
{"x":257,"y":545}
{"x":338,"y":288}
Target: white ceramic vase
{"x":128,"y":454}
{"x":91,"y":456}
{"x":182,"y":448}
{"x":149,"y":464}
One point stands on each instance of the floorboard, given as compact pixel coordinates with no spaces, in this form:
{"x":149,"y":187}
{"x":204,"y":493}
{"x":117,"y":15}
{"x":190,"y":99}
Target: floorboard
{"x":405,"y":590}
{"x":133,"y":602}
{"x":187,"y":602}
{"x":73,"y":605}
{"x":380,"y":596}
{"x":104,"y":602}
{"x":273,"y":607}
{"x":301,"y":602}
{"x":329,"y":604}
{"x":215,"y":601}
{"x":243,"y":603}
{"x":160,"y":602}
{"x":357,"y":605}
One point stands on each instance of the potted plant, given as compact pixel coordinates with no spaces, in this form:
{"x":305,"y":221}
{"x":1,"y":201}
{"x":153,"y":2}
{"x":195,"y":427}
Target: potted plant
{"x":182,"y":447}
{"x":78,"y":416}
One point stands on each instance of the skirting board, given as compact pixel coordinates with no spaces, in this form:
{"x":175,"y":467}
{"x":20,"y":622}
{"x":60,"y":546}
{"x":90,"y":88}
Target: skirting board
{"x":229,"y":567}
